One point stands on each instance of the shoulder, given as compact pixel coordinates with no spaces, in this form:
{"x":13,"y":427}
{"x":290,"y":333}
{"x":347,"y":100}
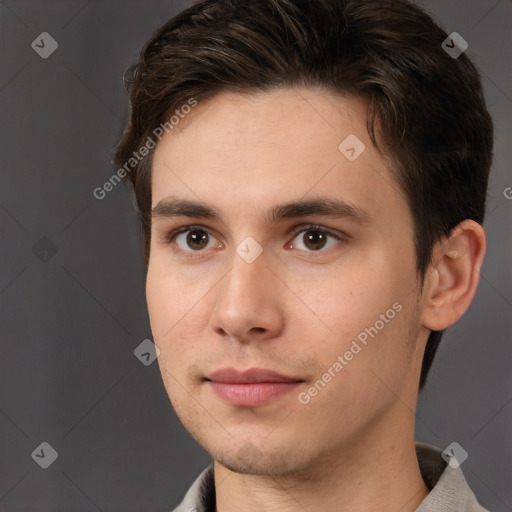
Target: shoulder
{"x":200,"y":496}
{"x":449,"y":490}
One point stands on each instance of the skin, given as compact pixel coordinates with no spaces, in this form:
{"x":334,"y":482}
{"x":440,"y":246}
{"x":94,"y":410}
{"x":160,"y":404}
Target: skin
{"x":295,"y":309}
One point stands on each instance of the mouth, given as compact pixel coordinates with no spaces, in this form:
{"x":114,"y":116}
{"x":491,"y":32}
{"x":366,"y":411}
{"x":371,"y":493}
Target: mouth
{"x":252,"y":387}
{"x":250,"y":376}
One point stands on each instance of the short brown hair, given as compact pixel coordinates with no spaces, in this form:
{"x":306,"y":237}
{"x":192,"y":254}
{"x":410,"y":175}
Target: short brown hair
{"x":426,"y":109}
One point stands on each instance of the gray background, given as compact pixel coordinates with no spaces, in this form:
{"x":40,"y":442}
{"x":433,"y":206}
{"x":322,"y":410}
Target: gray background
{"x":71,"y":320}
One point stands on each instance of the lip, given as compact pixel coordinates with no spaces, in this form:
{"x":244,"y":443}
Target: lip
{"x":249,"y":376}
{"x":252,"y":387}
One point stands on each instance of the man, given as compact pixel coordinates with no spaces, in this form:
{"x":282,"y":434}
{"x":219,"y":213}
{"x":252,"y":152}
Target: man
{"x":311,"y":179}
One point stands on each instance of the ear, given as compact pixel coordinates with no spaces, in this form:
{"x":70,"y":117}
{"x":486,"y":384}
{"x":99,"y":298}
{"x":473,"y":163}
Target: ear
{"x":452,"y":279}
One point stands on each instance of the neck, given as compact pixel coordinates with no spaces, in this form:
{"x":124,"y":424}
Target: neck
{"x":367,"y":473}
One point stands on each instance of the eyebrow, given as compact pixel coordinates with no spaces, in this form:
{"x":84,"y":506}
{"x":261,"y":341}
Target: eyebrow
{"x":171,"y":207}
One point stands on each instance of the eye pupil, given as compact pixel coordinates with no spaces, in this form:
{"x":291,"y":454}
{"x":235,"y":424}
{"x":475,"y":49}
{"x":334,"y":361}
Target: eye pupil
{"x":313,"y":239}
{"x":197,"y":241}
{"x":317,"y":238}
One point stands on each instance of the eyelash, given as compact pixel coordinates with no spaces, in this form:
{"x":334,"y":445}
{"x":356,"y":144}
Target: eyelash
{"x":169,"y":238}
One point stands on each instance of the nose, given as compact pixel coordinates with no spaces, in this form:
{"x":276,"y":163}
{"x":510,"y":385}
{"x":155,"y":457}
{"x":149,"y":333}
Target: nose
{"x":249,"y":302}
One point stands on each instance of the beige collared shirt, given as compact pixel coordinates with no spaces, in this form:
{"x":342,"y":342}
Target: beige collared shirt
{"x":449,"y":491}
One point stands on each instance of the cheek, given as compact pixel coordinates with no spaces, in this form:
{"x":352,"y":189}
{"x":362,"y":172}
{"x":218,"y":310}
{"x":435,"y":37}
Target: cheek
{"x":170,"y":298}
{"x":349,"y":301}
{"x":177,"y":306}
{"x":171,"y":319}
{"x":370,"y":311}
{"x":159,"y":301}
{"x":369,"y":377}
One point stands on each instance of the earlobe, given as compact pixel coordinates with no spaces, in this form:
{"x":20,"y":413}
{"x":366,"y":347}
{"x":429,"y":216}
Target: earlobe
{"x":452,"y":279}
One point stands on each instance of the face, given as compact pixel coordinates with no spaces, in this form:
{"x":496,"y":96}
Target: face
{"x":327,"y":297}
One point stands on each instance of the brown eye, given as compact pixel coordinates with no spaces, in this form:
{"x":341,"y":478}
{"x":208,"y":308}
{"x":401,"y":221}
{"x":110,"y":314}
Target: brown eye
{"x":197,"y":239}
{"x":193,"y":239}
{"x":314,"y":239}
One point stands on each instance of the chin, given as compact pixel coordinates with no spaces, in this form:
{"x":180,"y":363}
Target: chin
{"x":250,"y":460}
{"x":262,"y":467}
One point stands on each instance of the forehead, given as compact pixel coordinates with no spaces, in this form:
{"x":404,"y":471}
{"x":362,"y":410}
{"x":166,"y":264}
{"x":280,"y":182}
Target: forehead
{"x":282,"y":113}
{"x":251,"y":150}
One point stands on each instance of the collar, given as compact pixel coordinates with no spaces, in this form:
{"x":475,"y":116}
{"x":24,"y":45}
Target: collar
{"x":449,"y":491}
